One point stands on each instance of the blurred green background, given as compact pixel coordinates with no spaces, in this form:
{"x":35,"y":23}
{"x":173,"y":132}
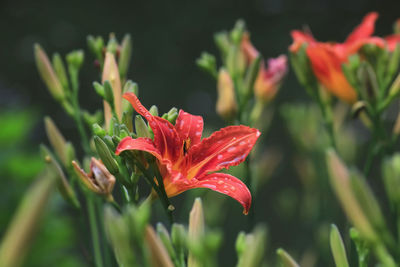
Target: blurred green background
{"x":167,"y":36}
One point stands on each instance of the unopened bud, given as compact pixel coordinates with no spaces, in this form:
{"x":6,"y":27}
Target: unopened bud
{"x":108,"y":93}
{"x":111,"y":74}
{"x":96,"y":46}
{"x":269,"y":79}
{"x":159,"y":255}
{"x":129,"y":87}
{"x":391,"y":178}
{"x":112,"y":45}
{"x":221,"y":39}
{"x":196,"y":229}
{"x":153,"y":110}
{"x":240,"y":244}
{"x":127,"y":120}
{"x":99,"y":180}
{"x":253,"y":254}
{"x":98,"y":130}
{"x":172,"y":115}
{"x":208,"y":63}
{"x":105,"y":155}
{"x":125,"y":56}
{"x":226,"y":103}
{"x":99,"y":89}
{"x":166,"y":240}
{"x":237,"y":31}
{"x":57,"y":140}
{"x":179,"y":237}
{"x":75,"y":59}
{"x":48,"y":74}
{"x":337,"y":247}
{"x":59,"y":68}
{"x":285,"y":259}
{"x":141,"y":127}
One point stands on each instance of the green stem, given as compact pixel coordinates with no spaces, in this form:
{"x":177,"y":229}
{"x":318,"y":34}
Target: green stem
{"x":327,"y":117}
{"x":94,"y":232}
{"x":248,"y":183}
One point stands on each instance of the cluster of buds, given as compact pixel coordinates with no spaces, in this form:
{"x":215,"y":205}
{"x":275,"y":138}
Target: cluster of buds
{"x":243,"y":75}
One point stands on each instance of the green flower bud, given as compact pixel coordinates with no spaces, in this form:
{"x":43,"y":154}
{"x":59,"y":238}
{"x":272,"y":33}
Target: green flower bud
{"x":166,"y":240}
{"x":108,"y":93}
{"x":106,"y":156}
{"x":337,"y":247}
{"x":127,"y":120}
{"x":57,"y":140}
{"x":240,"y":244}
{"x":208,"y":63}
{"x":98,"y":130}
{"x":391,"y":178}
{"x":178,"y":237}
{"x":237,"y":31}
{"x":285,"y":259}
{"x":153,"y":110}
{"x":99,"y":89}
{"x":112,"y":44}
{"x":172,"y":115}
{"x":48,"y":74}
{"x":125,"y":56}
{"x":59,"y":68}
{"x":129,"y":87}
{"x":96,"y":45}
{"x":222,"y":41}
{"x":75,"y":59}
{"x":252,"y":256}
{"x":141,"y":127}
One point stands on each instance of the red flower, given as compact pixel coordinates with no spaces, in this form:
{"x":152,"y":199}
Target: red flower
{"x":185,"y":161}
{"x":327,"y":58}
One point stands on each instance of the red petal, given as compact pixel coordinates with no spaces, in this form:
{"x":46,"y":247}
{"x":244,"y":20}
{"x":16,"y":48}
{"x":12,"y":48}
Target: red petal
{"x":392,"y":41}
{"x":228,"y":185}
{"x":166,"y":138}
{"x":364,"y":30}
{"x":226,"y":147}
{"x":143,"y":144}
{"x":299,"y":38}
{"x":326,"y":65}
{"x":189,"y":126}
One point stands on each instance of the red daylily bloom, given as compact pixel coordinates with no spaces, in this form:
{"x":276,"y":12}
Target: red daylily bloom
{"x":327,"y":58}
{"x":185,"y":161}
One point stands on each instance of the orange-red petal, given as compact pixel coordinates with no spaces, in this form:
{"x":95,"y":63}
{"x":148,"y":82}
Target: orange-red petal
{"x":228,"y":185}
{"x":299,"y":38}
{"x":224,"y":148}
{"x":392,"y":41}
{"x":326,"y":66}
{"x":189,"y":126}
{"x":364,"y":30}
{"x":166,"y":139}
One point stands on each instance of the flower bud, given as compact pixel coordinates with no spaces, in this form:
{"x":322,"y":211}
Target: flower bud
{"x":75,"y":59}
{"x":226,"y":103}
{"x":125,"y":56}
{"x":57,"y":140}
{"x":129,"y":87}
{"x":112,"y":45}
{"x":66,"y":190}
{"x":111,"y":74}
{"x":105,"y":155}
{"x":196,"y":229}
{"x":340,"y":180}
{"x":337,"y":247}
{"x":99,"y":180}
{"x":159,"y":255}
{"x":269,"y":79}
{"x":48,"y":74}
{"x":179,"y":239}
{"x":98,"y":130}
{"x":391,"y":178}
{"x":221,"y":39}
{"x":172,"y":115}
{"x":166,"y":240}
{"x":237,"y":31}
{"x":253,"y":254}
{"x":127,"y":120}
{"x":208,"y":63}
{"x":108,"y":93}
{"x":59,"y":68}
{"x":99,"y":89}
{"x":96,"y":45}
{"x":141,"y":127}
{"x":240,"y":244}
{"x":153,"y":110}
{"x":285,"y":259}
